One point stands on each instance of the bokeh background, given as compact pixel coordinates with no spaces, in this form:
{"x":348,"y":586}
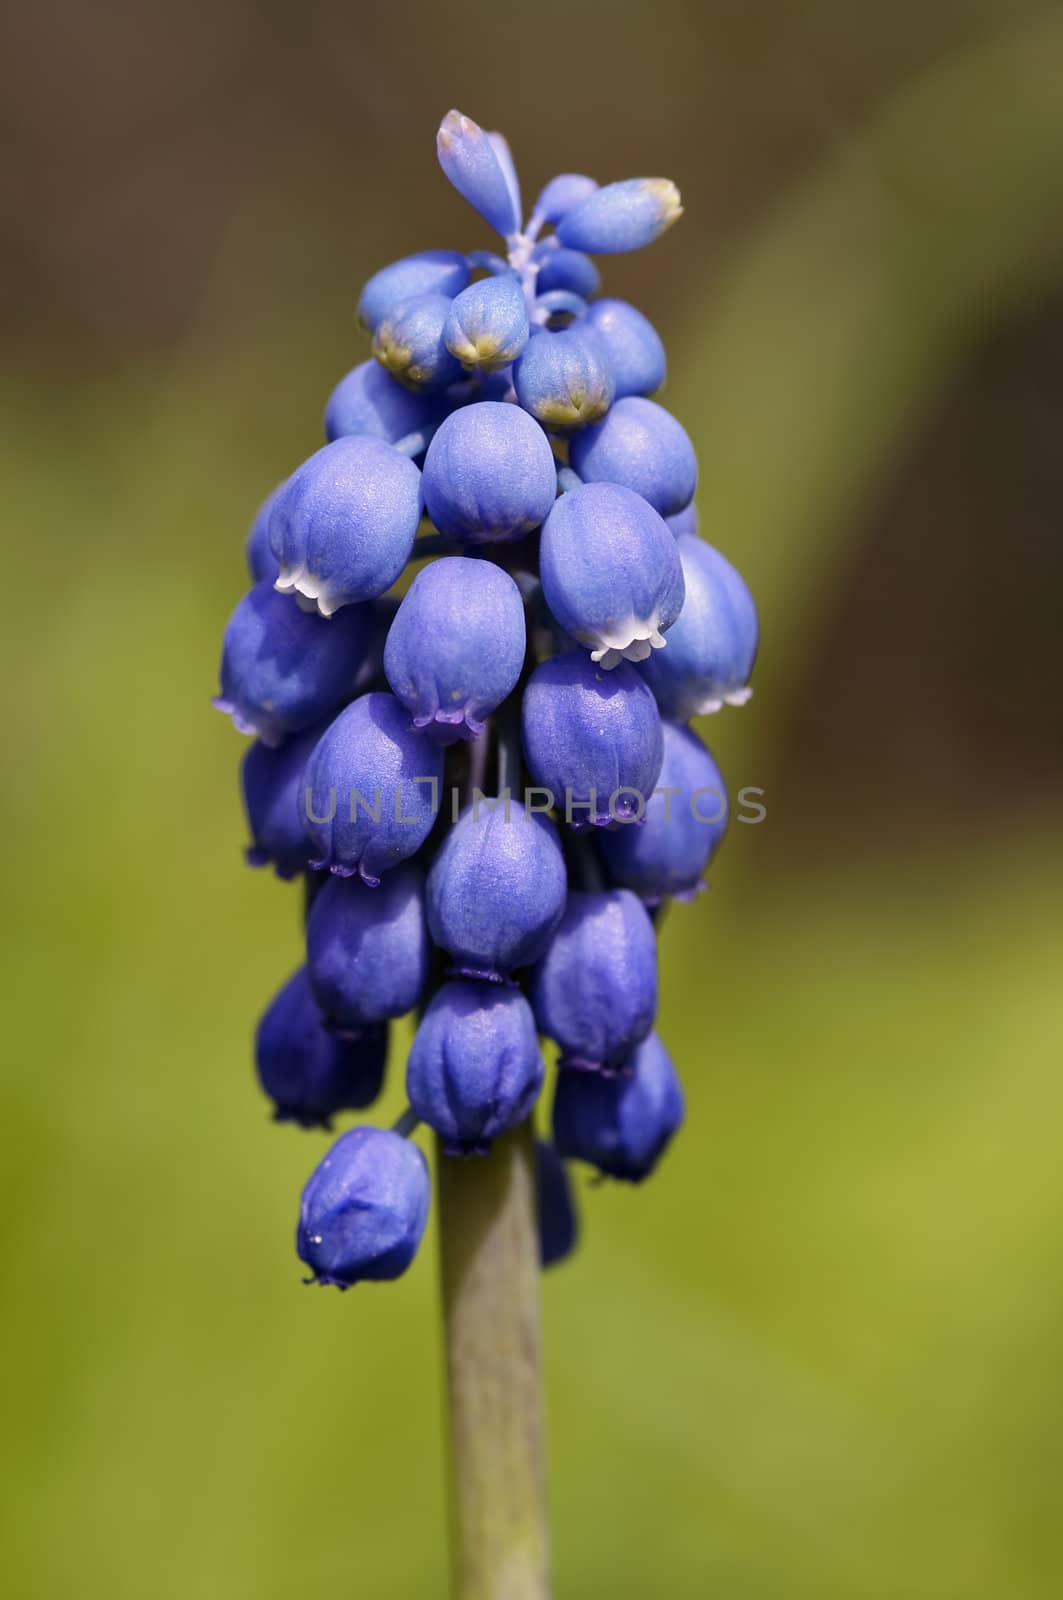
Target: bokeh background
{"x":819,"y":1354}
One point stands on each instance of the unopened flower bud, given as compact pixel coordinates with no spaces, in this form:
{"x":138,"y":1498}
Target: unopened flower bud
{"x":283,"y":669}
{"x":564,"y":379}
{"x":487,"y":324}
{"x":622,"y":216}
{"x":562,"y":194}
{"x":470,"y":159}
{"x":369,"y":401}
{"x":632,"y":346}
{"x":409,"y":343}
{"x":565,"y":269}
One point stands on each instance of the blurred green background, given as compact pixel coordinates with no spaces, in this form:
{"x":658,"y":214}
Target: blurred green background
{"x":819,"y":1355}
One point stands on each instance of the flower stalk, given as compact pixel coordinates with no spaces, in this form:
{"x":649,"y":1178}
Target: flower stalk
{"x":490,"y":1273}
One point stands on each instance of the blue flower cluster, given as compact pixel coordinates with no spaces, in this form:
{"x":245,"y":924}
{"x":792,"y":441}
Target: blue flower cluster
{"x":489,"y":786}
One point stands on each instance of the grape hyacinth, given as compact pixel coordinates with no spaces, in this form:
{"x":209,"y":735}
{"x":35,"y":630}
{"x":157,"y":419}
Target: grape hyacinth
{"x":480,"y":620}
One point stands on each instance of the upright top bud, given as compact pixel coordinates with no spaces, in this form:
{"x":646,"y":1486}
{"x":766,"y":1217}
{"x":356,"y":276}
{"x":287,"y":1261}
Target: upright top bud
{"x":562,"y":195}
{"x":470,"y":159}
{"x":500,"y":146}
{"x":622,"y":216}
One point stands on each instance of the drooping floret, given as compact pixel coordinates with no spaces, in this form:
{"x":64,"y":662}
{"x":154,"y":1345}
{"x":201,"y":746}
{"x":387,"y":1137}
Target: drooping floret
{"x":271,"y":778}
{"x":496,"y":889}
{"x":611,"y":573}
{"x":474,"y":1070}
{"x":592,"y":737}
{"x":683,"y":827}
{"x":364,"y":1209}
{"x":261,"y":562}
{"x":308,"y":1072}
{"x":371,"y":790}
{"x":556,"y":1211}
{"x":712,"y":645}
{"x":456,"y":647}
{"x":641,"y":446}
{"x":283,"y":669}
{"x":367,"y":951}
{"x":342,"y":527}
{"x":595,"y":990}
{"x":620,"y":1123}
{"x":489,"y":474}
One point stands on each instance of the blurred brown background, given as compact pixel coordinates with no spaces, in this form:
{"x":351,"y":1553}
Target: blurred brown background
{"x":818,"y":1356}
{"x":207,"y":183}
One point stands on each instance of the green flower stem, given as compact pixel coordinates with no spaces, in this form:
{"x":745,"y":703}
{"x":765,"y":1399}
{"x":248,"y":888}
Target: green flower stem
{"x":490,"y":1257}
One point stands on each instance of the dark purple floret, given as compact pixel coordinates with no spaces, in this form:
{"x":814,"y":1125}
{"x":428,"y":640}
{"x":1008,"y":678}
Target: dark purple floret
{"x":309,"y":1073}
{"x":364,"y":1209}
{"x":558,"y":1222}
